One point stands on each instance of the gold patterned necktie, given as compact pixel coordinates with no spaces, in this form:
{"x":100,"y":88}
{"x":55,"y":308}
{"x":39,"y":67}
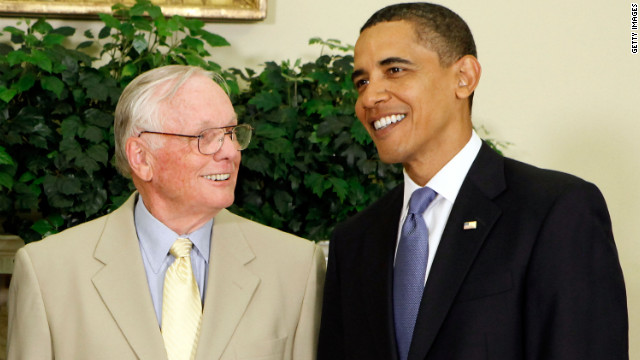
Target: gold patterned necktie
{"x":181,"y":305}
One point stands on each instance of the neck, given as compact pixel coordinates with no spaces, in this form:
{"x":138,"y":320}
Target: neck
{"x":424,"y":166}
{"x":179,"y":218}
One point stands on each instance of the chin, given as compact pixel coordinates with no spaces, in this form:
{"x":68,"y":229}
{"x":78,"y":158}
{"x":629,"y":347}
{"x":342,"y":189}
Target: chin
{"x":389,"y":157}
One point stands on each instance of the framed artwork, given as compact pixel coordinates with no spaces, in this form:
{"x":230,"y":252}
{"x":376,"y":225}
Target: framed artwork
{"x":248,"y":10}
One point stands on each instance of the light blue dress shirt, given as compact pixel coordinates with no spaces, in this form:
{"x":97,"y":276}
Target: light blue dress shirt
{"x":156,"y":239}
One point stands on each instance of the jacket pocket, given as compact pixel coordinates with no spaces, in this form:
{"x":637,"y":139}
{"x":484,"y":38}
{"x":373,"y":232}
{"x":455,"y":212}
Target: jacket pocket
{"x":486,"y":286}
{"x":262,"y":350}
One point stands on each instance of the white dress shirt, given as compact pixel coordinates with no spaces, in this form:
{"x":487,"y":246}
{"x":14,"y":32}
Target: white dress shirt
{"x":446,"y":183}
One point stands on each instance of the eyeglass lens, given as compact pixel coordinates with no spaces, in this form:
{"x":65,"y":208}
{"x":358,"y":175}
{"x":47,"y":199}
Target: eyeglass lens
{"x":211,"y":140}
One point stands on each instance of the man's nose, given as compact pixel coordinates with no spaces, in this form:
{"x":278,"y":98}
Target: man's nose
{"x":375,"y":93}
{"x":227,"y":150}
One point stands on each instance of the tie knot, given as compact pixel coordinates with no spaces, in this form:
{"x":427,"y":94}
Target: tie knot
{"x":420,"y":200}
{"x":181,"y":248}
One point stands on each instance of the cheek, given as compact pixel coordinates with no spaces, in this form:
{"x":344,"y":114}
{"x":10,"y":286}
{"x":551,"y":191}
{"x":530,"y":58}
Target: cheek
{"x":360,"y":113}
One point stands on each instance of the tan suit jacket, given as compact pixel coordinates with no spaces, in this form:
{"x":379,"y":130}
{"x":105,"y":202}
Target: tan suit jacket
{"x":83,"y":294}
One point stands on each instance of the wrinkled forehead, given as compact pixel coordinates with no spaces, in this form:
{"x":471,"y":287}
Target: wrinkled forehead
{"x":198,"y":103}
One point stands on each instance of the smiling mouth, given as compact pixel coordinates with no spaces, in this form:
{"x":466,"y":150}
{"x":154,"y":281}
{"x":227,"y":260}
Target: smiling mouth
{"x":387,"y":120}
{"x":217,"y":177}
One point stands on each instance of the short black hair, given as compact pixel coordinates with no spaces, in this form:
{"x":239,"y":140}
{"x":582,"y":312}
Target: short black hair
{"x":439,"y":28}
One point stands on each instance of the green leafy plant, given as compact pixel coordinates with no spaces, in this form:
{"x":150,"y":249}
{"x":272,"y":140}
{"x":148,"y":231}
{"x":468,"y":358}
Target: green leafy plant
{"x":311,"y":163}
{"x":56,"y":111}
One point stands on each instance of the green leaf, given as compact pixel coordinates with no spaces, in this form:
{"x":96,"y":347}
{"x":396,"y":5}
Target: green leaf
{"x":92,"y":133}
{"x":98,"y":117}
{"x":60,"y":201}
{"x":331,"y":125}
{"x":6,"y":181}
{"x":65,"y":31}
{"x":41,"y":60}
{"x":266,"y":100}
{"x":52,"y":84}
{"x":354,"y":153}
{"x":94,"y":201}
{"x":109,"y":21}
{"x":155,"y":12}
{"x":360,"y":134}
{"x":5,"y":158}
{"x":70,"y":148}
{"x":129,"y":70}
{"x":213,"y":39}
{"x":87,"y":163}
{"x":99,"y":153}
{"x":127,"y":30}
{"x":258,"y":162}
{"x":43,"y":227}
{"x":17,"y":57}
{"x":69,"y":185}
{"x":7,"y":94}
{"x":13,"y":30}
{"x":142,"y":23}
{"x":99,"y":93}
{"x":104,"y":32}
{"x":283,"y":201}
{"x":193,"y":43}
{"x":5,"y":49}
{"x":278,"y":146}
{"x":195,"y":60}
{"x":69,"y":126}
{"x":56,"y":220}
{"x":84,"y":44}
{"x":53,"y":39}
{"x":340,"y":187}
{"x":26,"y":177}
{"x":42,"y":26}
{"x":25,"y":82}
{"x":316,"y":183}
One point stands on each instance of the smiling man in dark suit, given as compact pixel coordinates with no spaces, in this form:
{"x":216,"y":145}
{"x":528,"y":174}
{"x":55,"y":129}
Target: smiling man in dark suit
{"x":508,"y":261}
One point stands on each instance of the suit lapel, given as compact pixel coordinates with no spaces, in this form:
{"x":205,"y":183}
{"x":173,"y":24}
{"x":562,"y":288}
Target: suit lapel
{"x":379,"y":251}
{"x":122,"y":284}
{"x":230,"y":286}
{"x":458,"y":247}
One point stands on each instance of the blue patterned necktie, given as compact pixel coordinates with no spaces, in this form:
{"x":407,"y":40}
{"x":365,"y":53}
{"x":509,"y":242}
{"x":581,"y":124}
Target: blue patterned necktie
{"x":410,"y":268}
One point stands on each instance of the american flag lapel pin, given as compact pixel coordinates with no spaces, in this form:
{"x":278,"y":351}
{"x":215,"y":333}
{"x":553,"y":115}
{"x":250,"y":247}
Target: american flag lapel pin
{"x":470,"y":225}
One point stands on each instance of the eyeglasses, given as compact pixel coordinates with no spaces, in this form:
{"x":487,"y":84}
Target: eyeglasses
{"x":211,"y":140}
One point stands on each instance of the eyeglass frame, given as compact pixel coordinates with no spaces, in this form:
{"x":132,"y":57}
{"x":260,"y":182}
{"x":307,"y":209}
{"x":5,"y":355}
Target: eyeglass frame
{"x":200,"y":136}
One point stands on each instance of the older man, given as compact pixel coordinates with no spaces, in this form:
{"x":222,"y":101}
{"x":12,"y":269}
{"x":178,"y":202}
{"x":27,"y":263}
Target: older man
{"x":170,"y":274}
{"x":475,"y":256}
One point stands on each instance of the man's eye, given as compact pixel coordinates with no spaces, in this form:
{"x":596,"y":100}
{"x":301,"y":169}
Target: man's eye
{"x":395,"y":70}
{"x":360,"y":83}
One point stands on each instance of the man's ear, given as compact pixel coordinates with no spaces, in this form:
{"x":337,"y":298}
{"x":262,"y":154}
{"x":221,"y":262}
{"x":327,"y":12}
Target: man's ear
{"x":140,"y":158}
{"x":468,"y":75}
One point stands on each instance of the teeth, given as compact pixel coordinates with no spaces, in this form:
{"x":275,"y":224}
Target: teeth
{"x":387,"y":120}
{"x":218,"y":177}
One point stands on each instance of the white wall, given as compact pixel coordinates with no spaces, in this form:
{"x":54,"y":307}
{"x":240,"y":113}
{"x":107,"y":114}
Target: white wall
{"x":559,"y":82}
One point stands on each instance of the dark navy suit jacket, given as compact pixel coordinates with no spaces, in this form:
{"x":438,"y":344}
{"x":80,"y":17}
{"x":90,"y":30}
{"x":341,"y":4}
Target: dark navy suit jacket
{"x":538,"y":278}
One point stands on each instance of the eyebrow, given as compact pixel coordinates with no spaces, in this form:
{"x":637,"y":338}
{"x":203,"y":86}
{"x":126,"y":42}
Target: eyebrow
{"x":384,"y":62}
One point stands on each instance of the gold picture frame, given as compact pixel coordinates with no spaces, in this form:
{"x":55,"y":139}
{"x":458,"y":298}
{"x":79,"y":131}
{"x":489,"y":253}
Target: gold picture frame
{"x":230,"y":10}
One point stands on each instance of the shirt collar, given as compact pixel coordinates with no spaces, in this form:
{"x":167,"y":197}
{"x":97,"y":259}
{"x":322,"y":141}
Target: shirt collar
{"x":448,"y":180}
{"x":156,"y":238}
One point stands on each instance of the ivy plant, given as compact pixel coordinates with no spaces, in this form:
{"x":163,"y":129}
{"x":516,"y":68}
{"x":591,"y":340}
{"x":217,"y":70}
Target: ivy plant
{"x":57,"y":105}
